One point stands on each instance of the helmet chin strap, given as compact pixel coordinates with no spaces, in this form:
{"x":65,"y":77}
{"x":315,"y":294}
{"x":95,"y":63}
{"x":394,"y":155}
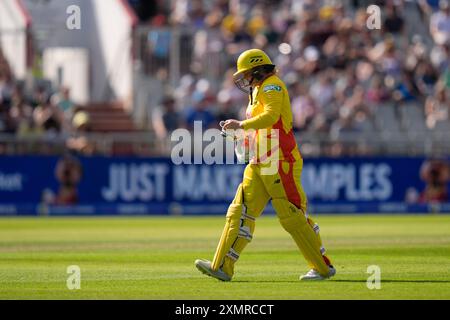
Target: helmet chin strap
{"x":251,"y":91}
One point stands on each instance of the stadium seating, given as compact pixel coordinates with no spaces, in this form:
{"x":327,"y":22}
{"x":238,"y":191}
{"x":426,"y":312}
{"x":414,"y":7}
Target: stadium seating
{"x":109,"y":117}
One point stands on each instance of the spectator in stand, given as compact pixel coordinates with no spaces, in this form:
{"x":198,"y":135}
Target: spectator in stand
{"x":425,"y":78}
{"x":435,"y":174}
{"x":197,"y":13}
{"x":149,"y":10}
{"x":394,"y":22}
{"x":440,"y":58}
{"x":6,"y":89}
{"x":63,"y":101}
{"x":376,"y":93}
{"x":229,"y":90}
{"x":203,"y":106}
{"x":304,"y":108}
{"x":390,"y":61}
{"x":183,"y":93}
{"x":343,"y":125}
{"x":404,"y":89}
{"x":68,"y":173}
{"x":335,"y":48}
{"x":180,"y":12}
{"x":6,"y":92}
{"x":427,"y":7}
{"x":5,"y":72}
{"x":440,"y":24}
{"x":46,"y":115}
{"x":22,"y":115}
{"x":322,"y":91}
{"x":226,"y":109}
{"x":80,"y":143}
{"x":6,"y":123}
{"x":437,"y":107}
{"x":166,"y":118}
{"x":201,"y":111}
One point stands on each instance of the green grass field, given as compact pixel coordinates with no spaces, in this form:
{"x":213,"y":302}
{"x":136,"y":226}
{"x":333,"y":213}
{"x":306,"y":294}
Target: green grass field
{"x":153,"y":258}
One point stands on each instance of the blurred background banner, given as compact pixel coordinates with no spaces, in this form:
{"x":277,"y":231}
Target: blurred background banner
{"x":116,"y":185}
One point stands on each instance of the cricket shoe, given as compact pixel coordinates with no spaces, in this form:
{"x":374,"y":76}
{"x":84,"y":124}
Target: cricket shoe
{"x":204,"y":266}
{"x":314,"y":275}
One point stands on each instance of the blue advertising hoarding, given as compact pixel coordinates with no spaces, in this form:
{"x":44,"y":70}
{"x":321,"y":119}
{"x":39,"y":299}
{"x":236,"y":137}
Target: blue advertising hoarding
{"x":103,"y":185}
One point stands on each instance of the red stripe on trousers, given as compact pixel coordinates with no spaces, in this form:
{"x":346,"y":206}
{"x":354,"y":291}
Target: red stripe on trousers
{"x":289,"y":184}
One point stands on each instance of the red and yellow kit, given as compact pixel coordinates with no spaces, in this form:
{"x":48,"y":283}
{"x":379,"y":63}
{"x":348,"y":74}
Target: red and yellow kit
{"x":269,"y":111}
{"x":269,"y":114}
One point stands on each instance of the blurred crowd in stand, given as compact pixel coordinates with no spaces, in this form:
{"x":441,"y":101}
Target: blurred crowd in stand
{"x":340,"y":73}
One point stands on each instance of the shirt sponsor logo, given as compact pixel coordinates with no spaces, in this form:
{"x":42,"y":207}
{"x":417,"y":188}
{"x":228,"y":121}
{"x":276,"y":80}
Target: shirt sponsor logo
{"x":271,"y":87}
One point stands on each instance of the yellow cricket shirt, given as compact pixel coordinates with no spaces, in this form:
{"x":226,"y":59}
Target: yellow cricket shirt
{"x":271,"y":109}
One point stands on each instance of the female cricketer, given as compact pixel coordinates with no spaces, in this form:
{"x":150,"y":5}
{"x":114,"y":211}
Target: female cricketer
{"x":268,"y":114}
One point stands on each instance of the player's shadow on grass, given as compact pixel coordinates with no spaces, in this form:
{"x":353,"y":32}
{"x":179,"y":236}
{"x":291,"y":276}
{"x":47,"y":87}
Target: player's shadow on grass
{"x":345,"y":280}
